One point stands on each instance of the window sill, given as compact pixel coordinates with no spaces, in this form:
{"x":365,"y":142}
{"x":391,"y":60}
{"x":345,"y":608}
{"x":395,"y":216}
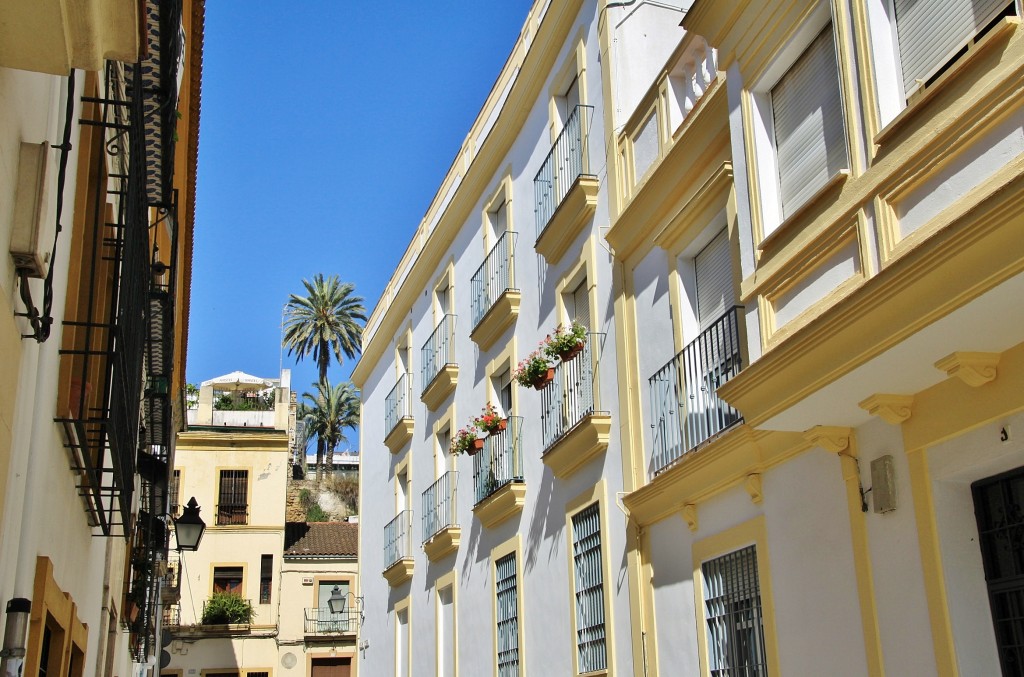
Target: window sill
{"x":921,"y":96}
{"x":400,"y":434}
{"x":582,"y":443}
{"x":837,"y":179}
{"x":440,"y":386}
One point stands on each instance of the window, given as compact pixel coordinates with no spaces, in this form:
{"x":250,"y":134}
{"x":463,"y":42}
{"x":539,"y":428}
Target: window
{"x":497,"y":217}
{"x":266,"y":577}
{"x":578,"y":304}
{"x":810,"y":140}
{"x":591,"y":652}
{"x":233,"y":500}
{"x":932,"y":32}
{"x":446,"y":632}
{"x":228,"y":579}
{"x":507,"y":606}
{"x":732,"y":609}
{"x":402,"y":663}
{"x":330,"y":667}
{"x":503,"y":389}
{"x":174,"y":492}
{"x":328,"y":622}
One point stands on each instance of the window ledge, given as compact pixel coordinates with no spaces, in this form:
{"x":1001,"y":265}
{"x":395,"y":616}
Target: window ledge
{"x":500,"y":316}
{"x":837,"y":179}
{"x":443,"y":543}
{"x":502,"y":504}
{"x":399,"y":572}
{"x":921,"y":96}
{"x":400,"y":434}
{"x":581,"y":444}
{"x":440,"y":386}
{"x":566,"y":223}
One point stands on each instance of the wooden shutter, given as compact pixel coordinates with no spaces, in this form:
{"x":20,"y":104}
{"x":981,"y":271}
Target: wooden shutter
{"x":810,"y":140}
{"x":715,"y":293}
{"x":930,"y":31}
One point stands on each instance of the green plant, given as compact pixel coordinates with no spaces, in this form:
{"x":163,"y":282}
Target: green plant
{"x":227,"y":607}
{"x":463,"y":440}
{"x":489,"y":420}
{"x":346,"y":488}
{"x":306,"y":500}
{"x":316,"y":514}
{"x":533,"y":367}
{"x":564,"y":339}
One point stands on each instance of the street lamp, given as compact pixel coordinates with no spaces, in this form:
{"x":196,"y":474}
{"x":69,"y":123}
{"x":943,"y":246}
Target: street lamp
{"x":189,"y":528}
{"x":337,"y":601}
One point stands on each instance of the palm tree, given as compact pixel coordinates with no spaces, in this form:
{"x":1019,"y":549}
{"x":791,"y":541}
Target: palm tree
{"x":324,"y":322}
{"x":329,"y":412}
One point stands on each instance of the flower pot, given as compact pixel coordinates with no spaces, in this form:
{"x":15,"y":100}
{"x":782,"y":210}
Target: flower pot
{"x":476,"y":447}
{"x":543,"y":380}
{"x":569,"y":354}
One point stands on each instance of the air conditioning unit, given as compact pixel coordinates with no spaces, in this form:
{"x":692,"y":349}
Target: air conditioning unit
{"x":33,"y":228}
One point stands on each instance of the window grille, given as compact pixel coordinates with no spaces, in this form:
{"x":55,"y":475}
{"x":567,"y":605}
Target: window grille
{"x":266,"y":577}
{"x":586,"y":552}
{"x":732,"y":607}
{"x":232,"y":505}
{"x":508,"y":619}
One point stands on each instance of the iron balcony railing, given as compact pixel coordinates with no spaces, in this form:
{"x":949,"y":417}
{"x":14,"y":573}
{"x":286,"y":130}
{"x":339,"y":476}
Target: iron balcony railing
{"x":439,"y":504}
{"x":232,"y":514}
{"x":438,"y":351}
{"x":398,"y":403}
{"x":398,"y":538}
{"x":685,"y":408}
{"x":321,"y":621}
{"x":501,"y":460}
{"x":572,"y":395}
{"x":566,"y":162}
{"x":494,"y":276}
{"x":172,"y":616}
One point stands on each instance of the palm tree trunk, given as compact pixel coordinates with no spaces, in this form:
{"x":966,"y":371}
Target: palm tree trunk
{"x":319,"y":457}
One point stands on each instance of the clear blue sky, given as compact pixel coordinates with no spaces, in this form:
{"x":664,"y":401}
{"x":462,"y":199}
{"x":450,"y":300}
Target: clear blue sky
{"x":313,"y":114}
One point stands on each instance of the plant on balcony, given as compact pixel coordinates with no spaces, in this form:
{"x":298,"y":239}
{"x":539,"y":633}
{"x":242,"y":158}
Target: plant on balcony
{"x":467,"y":442}
{"x":566,"y":343}
{"x":535,"y":371}
{"x":490,"y":421}
{"x":227,"y":607}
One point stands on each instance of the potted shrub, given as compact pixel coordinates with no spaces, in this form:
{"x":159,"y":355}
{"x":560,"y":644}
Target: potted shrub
{"x":566,"y":343}
{"x":227,"y":607}
{"x":535,"y":371}
{"x":467,"y":442}
{"x":490,"y":421}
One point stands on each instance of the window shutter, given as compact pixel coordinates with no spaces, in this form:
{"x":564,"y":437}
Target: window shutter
{"x":929,"y":32}
{"x":581,"y":305}
{"x":809,"y":137}
{"x":715,"y":293}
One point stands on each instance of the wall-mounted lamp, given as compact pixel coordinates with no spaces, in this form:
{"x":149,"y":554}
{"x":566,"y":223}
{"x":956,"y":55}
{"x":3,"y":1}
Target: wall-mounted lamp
{"x":189,"y":528}
{"x":338,"y":603}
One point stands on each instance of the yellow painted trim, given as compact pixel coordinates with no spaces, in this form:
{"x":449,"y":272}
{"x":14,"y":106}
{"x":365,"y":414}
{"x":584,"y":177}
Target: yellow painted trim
{"x":751,"y":532}
{"x":404,"y":605}
{"x":595,"y":494}
{"x":614,"y":180}
{"x":446,"y":421}
{"x":214,"y":440}
{"x":753,"y":178}
{"x":68,"y":634}
{"x":944,"y":644}
{"x":501,"y":195}
{"x":402,"y":494}
{"x":512,"y":545}
{"x":498,"y":318}
{"x":445,"y":280}
{"x":866,"y":82}
{"x":331,"y":579}
{"x":852,"y":118}
{"x":504,"y":360}
{"x":448,"y":580}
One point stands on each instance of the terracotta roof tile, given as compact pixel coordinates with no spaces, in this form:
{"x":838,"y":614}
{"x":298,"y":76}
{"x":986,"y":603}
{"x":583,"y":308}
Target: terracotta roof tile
{"x":319,"y":539}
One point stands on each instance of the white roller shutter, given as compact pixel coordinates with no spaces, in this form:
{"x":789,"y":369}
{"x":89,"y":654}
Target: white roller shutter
{"x":930,"y":31}
{"x":809,"y":137}
{"x":581,"y":305}
{"x":715,"y":293}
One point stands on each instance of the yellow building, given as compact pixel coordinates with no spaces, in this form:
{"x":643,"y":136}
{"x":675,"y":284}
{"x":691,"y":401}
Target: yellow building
{"x":99,"y":104}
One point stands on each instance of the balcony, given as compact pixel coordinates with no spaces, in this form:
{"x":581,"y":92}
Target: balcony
{"x":441,"y":533}
{"x":565,"y":192}
{"x":495,"y":299}
{"x":321,"y":622}
{"x":398,"y":420}
{"x":685,"y":408}
{"x":499,"y":486}
{"x":574,"y":432}
{"x":439,"y":373}
{"x":398,"y":561}
{"x":228,"y":515}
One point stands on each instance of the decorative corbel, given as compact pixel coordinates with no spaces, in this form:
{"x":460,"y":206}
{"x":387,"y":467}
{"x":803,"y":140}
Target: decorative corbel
{"x":974,"y":369}
{"x":894,"y":409}
{"x":753,"y":487}
{"x":829,"y":437}
{"x":690,"y":515}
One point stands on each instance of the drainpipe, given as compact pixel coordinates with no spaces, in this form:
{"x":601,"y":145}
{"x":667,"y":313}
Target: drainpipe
{"x":12,"y":656}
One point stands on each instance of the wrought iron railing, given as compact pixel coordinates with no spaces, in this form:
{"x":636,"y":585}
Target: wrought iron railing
{"x":322,"y":621}
{"x":172,"y":616}
{"x":501,"y":460}
{"x":438,"y":351}
{"x":397,"y":405}
{"x":439,"y":504}
{"x":572,"y":395}
{"x":398,"y":538}
{"x":232,"y":514}
{"x":685,"y":408}
{"x":494,"y":276}
{"x":567,"y":160}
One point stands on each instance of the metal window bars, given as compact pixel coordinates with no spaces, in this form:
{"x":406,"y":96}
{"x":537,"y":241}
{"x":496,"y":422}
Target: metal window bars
{"x":732,"y":609}
{"x":501,"y":460}
{"x":572,"y":396}
{"x":507,"y":613}
{"x":398,"y":403}
{"x":438,"y":351}
{"x":494,"y":276}
{"x":322,"y":621}
{"x":398,"y":538}
{"x":440,"y":504}
{"x":233,"y":499}
{"x":591,"y":648}
{"x":567,"y":160}
{"x":685,"y":408}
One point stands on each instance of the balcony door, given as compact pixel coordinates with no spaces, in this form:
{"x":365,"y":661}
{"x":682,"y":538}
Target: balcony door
{"x":330,"y":667}
{"x":328,"y":622}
